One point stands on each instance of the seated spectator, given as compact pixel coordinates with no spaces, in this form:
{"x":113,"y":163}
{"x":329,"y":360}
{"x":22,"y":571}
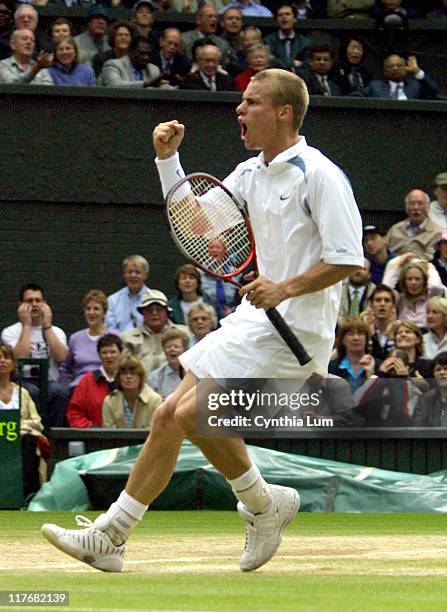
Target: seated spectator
{"x":94,"y":39}
{"x":6,"y":28}
{"x":206,"y":26}
{"x":352,"y":362}
{"x":402,"y":80}
{"x":439,"y":13}
{"x":20,"y":67}
{"x":355,"y":293}
{"x":187,"y":283}
{"x":120,"y":36}
{"x":122,"y":312}
{"x":258,"y":58}
{"x":144,"y":342}
{"x":416,"y":282}
{"x":334,"y":399}
{"x":221,"y":294}
{"x":438,"y":207}
{"x":66,"y":69}
{"x":235,"y":60}
{"x":165,"y":379}
{"x":440,"y":256}
{"x":353,"y":75}
{"x":85,"y":407}
{"x":143,"y":20}
{"x":318,"y":73}
{"x":408,"y":336}
{"x":435,"y":340}
{"x":60,"y":28}
{"x":381,"y":318}
{"x":26,"y":18}
{"x":133,"y":403}
{"x":12,"y":397}
{"x":389,"y":399}
{"x":392,"y":13}
{"x":173,"y":64}
{"x":249,"y":8}
{"x":35,"y":336}
{"x":134,"y":69}
{"x":376,"y":251}
{"x":431,"y":409}
{"x":202,"y":320}
{"x":208,"y":77}
{"x":417,"y":233}
{"x":83,"y":352}
{"x":340,"y":9}
{"x":231,"y":24}
{"x":288,"y":47}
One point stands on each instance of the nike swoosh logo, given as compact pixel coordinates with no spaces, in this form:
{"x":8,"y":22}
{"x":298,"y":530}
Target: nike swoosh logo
{"x":284,"y":197}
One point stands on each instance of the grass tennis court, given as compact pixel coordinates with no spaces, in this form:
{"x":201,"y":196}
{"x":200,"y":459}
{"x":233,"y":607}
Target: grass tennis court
{"x":189,"y":561}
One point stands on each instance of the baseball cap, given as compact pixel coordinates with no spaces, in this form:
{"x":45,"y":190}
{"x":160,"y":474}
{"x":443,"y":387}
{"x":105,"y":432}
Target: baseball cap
{"x":442,"y":237}
{"x":441,"y":179}
{"x":139,"y":3}
{"x":373,"y":229}
{"x":153,"y":297}
{"x":98,"y":10}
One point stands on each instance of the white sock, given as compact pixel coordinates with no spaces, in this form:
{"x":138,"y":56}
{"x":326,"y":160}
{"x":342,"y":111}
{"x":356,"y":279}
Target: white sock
{"x":121,"y":518}
{"x":252,"y":490}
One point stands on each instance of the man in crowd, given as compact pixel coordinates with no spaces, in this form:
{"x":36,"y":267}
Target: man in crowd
{"x":35,"y":336}
{"x":143,"y":20}
{"x":317,"y":75}
{"x":206,"y":25}
{"x":20,"y":67}
{"x":173,"y":64}
{"x":250,"y":8}
{"x":438,"y":207}
{"x":376,"y":251}
{"x":207,"y":77}
{"x":6,"y":26}
{"x":402,"y":80}
{"x":417,"y":232}
{"x":94,"y":39}
{"x":165,"y":379}
{"x":381,"y":316}
{"x":134,"y":69}
{"x":355,"y":292}
{"x":288,"y":47}
{"x":145,"y":341}
{"x":122,"y":312}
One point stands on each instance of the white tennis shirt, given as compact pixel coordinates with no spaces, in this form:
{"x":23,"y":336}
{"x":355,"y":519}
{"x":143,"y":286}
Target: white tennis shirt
{"x":302,"y":211}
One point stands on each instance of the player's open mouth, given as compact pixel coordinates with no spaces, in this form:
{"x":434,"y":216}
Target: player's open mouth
{"x":243,"y":131}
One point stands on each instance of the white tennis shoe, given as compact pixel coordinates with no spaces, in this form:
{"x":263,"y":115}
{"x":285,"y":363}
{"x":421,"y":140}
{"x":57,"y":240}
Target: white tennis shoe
{"x":90,"y":545}
{"x":263,"y":532}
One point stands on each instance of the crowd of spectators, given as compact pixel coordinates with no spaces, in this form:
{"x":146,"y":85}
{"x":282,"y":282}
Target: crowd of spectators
{"x":220,"y":53}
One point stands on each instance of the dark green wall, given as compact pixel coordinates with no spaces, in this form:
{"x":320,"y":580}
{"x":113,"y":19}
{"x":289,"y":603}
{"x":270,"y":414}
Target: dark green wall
{"x":79,"y":189}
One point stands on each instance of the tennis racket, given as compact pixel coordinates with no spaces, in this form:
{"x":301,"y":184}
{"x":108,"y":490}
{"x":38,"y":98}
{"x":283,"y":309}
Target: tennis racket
{"x":211,"y":228}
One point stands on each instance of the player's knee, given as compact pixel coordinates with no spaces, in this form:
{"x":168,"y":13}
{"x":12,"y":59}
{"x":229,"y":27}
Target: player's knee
{"x":164,"y":416}
{"x":184,"y":416}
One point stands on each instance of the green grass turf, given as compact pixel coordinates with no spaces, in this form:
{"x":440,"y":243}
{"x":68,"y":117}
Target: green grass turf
{"x":349,"y":586}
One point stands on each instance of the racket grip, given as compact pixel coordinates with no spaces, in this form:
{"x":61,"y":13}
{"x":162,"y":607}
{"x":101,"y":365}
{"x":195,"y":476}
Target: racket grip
{"x":288,"y":336}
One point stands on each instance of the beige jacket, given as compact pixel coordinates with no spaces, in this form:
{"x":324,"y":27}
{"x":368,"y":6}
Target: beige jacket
{"x":421,"y":244}
{"x":113,"y":409}
{"x":30,"y":421}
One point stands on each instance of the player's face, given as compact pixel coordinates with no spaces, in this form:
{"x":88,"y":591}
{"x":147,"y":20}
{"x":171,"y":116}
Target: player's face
{"x":258,"y":119}
{"x":135,"y":277}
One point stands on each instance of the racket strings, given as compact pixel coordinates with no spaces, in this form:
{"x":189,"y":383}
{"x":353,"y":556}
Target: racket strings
{"x":206,"y":213}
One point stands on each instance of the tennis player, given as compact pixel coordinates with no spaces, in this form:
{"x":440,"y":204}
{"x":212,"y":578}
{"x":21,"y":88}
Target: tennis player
{"x":308,"y":234}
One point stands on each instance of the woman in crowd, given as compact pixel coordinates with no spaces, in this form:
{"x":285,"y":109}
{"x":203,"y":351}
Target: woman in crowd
{"x":120,"y":36}
{"x":409,"y":337}
{"x":133,"y":403}
{"x":258,"y":58}
{"x":352,"y":362}
{"x":416,"y":281}
{"x":34,"y":444}
{"x":435,"y":340}
{"x":431,"y":409}
{"x":66,"y":69}
{"x":351,"y":71}
{"x":202,"y":319}
{"x":83,"y":355}
{"x":188,"y":285}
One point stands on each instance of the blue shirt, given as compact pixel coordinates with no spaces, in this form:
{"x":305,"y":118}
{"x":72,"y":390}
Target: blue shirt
{"x":122,"y":313}
{"x":354,"y":380}
{"x":164,"y":380}
{"x":377,"y":269}
{"x":80,"y":75}
{"x":251,"y":9}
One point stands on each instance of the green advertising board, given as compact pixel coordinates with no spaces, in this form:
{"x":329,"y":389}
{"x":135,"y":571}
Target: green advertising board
{"x":11,"y":491}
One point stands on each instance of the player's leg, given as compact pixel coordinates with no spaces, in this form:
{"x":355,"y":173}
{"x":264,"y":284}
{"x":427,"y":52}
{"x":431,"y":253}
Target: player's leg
{"x":266,"y":509}
{"x":101,"y":544}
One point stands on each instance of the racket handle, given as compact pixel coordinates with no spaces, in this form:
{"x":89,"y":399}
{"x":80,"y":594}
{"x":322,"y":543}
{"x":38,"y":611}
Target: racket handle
{"x":288,"y":336}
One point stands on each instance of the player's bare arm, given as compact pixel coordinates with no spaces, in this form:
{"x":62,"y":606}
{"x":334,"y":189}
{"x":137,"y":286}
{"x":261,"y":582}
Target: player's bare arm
{"x":167,"y":138}
{"x":264,"y":293}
